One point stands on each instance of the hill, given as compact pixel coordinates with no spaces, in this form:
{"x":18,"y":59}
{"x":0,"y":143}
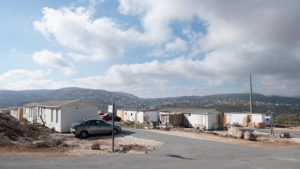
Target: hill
{"x":222,"y":102}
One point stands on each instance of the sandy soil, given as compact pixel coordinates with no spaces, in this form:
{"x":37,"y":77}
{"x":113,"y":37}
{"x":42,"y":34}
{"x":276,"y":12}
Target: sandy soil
{"x":82,"y":147}
{"x":288,"y":128}
{"x":264,"y":141}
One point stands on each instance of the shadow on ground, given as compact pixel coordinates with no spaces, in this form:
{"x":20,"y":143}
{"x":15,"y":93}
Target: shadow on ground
{"x":105,"y":136}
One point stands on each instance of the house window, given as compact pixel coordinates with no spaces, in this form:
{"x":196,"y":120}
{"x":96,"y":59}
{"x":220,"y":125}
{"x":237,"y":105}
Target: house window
{"x":56,"y":115}
{"x":51,"y":115}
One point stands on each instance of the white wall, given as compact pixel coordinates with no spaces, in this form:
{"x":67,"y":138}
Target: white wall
{"x":212,"y":122}
{"x":151,"y":116}
{"x":193,"y":119}
{"x":238,"y":117}
{"x":30,"y":114}
{"x":75,"y":113}
{"x":209,"y":120}
{"x":130,"y":115}
{"x":14,"y":113}
{"x":140,"y":117}
{"x":147,"y":116}
{"x":51,"y":117}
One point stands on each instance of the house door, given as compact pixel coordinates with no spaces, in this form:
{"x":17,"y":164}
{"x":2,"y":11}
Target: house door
{"x":218,"y":119}
{"x":225,"y":119}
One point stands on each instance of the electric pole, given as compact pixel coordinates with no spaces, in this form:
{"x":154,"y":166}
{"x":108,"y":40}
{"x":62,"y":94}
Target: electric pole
{"x":251,"y":102}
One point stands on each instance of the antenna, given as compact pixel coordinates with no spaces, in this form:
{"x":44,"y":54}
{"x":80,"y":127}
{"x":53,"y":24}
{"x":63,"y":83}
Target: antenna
{"x":251,"y":102}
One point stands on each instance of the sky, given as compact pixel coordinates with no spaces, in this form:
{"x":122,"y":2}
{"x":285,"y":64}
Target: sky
{"x":151,"y":48}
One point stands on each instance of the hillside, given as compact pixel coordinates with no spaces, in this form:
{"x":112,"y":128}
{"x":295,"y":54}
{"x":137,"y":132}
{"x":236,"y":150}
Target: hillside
{"x":221,"y":102}
{"x":100,"y":97}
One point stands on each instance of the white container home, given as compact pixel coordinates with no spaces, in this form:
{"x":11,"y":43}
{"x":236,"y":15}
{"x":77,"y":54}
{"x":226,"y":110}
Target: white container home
{"x":207,"y":119}
{"x":60,"y":114}
{"x":130,"y":115}
{"x":243,"y":118}
{"x":147,"y":116}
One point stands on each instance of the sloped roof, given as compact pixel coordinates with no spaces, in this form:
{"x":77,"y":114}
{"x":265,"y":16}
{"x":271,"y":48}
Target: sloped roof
{"x":244,"y":112}
{"x":56,"y":103}
{"x":189,"y":110}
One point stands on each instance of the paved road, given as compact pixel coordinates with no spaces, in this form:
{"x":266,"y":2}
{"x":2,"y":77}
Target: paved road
{"x":176,"y":153}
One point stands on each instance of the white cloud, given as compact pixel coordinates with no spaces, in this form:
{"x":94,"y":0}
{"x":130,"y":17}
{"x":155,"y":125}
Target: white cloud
{"x":99,"y":39}
{"x":51,"y":59}
{"x":236,"y":42}
{"x":177,"y":45}
{"x":20,"y":79}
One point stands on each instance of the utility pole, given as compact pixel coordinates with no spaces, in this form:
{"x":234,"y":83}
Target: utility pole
{"x":251,"y":102}
{"x":113,"y":127}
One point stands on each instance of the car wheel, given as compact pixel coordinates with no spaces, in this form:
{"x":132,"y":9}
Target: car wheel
{"x":84,"y":134}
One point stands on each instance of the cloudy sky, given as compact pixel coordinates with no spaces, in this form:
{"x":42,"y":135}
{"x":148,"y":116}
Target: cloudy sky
{"x":151,"y":48}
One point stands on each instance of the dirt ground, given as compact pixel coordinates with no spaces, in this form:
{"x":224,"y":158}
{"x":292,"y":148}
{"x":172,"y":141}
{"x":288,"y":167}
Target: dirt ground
{"x":82,"y":147}
{"x":297,"y":128}
{"x":219,"y":136}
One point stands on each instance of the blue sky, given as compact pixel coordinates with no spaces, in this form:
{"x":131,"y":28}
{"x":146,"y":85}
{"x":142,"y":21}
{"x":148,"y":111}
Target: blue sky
{"x":151,"y":48}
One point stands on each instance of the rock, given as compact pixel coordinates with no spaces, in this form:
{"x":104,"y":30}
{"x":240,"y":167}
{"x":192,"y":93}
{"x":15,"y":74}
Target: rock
{"x":56,"y":142}
{"x":95,"y":146}
{"x":249,"y":136}
{"x":235,"y":132}
{"x":284,"y":135}
{"x":40,"y":144}
{"x":25,"y":139}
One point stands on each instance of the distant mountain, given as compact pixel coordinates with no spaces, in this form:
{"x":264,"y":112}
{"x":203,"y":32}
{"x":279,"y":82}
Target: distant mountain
{"x":236,"y":97}
{"x":233,"y":102}
{"x":101,"y":97}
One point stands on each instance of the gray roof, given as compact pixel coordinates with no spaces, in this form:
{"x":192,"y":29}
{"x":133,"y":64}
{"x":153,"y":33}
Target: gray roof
{"x":57,"y":103}
{"x":245,"y":112}
{"x":189,"y":110}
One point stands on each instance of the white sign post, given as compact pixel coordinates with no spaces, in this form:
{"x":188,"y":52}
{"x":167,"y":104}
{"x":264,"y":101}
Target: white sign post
{"x":111,"y":109}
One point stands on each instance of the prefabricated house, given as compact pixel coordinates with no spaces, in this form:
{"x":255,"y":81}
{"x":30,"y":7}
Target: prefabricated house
{"x":207,"y":119}
{"x":16,"y":112}
{"x":60,"y":114}
{"x":247,"y":119}
{"x":30,"y":112}
{"x":147,"y":116}
{"x":130,"y":115}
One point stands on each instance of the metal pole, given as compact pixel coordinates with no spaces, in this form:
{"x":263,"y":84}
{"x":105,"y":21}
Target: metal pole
{"x":272,"y":131}
{"x":251,"y":103}
{"x":113,"y":128}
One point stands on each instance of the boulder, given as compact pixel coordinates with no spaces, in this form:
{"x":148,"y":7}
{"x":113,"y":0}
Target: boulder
{"x":249,"y":136}
{"x":40,"y":144}
{"x":95,"y":146}
{"x":235,"y":132}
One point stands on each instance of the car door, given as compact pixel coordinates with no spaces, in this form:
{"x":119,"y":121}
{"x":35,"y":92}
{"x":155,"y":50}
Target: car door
{"x":91,"y":127}
{"x":103,"y":127}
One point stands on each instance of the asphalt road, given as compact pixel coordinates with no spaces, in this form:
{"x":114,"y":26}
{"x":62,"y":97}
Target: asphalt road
{"x":176,"y":153}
